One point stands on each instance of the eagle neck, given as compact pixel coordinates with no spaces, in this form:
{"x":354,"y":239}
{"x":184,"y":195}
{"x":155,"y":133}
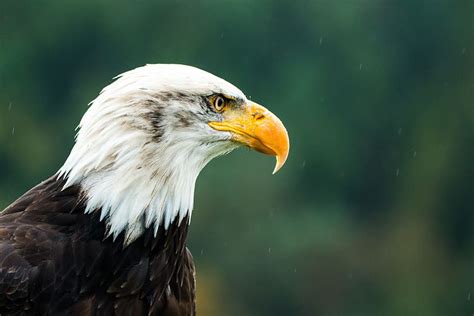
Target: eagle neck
{"x":137,"y":194}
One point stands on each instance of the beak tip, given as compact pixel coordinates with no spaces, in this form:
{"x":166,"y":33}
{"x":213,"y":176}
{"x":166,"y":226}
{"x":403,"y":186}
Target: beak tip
{"x":282,"y":150}
{"x":280,"y":161}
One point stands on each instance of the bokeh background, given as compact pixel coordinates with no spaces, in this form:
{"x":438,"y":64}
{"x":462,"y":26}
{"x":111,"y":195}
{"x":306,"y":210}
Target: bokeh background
{"x":373,"y":212}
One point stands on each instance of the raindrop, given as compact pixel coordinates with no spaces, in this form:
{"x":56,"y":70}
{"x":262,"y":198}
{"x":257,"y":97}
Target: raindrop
{"x":400,"y":131}
{"x":9,"y":107}
{"x":469,"y":296}
{"x":360,"y":67}
{"x":463,"y":51}
{"x":269,"y":250}
{"x":398,"y":172}
{"x":303,"y":164}
{"x":414,"y":154}
{"x":320,"y":41}
{"x":13,"y":131}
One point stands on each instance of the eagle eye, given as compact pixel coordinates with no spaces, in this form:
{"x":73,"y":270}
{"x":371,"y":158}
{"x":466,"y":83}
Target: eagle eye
{"x":219,"y":103}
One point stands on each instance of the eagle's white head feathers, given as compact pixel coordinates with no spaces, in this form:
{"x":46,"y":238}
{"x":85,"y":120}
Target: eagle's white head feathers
{"x":144,"y":140}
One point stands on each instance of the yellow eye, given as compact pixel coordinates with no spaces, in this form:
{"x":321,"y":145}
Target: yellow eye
{"x":219,"y":103}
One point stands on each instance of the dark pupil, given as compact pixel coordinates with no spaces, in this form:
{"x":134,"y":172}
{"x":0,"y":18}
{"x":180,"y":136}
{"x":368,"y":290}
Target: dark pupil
{"x":219,"y":102}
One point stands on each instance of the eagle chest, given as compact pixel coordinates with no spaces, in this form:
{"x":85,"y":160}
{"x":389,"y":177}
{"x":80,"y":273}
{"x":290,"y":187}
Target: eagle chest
{"x":152,"y":276}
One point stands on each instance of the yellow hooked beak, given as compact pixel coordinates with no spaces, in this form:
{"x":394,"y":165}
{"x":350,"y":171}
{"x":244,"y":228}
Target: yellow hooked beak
{"x":258,"y":128}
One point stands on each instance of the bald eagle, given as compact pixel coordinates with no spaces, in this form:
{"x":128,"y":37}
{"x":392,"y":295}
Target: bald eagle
{"x":106,"y":235}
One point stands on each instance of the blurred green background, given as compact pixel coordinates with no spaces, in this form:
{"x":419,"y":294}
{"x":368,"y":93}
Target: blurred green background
{"x":373,"y":212}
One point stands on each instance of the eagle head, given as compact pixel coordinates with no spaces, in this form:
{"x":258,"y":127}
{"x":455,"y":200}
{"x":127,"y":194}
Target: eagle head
{"x":145,"y":138}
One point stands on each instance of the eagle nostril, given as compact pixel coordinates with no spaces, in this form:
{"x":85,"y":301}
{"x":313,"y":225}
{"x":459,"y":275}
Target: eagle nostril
{"x":258,"y":116}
